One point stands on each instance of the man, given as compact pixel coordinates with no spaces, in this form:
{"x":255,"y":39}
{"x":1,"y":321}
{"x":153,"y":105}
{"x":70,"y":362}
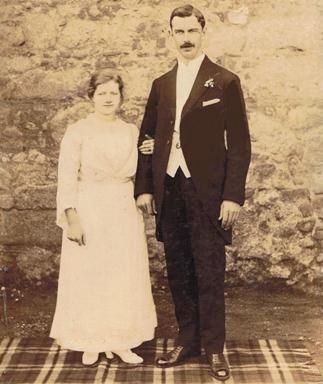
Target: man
{"x":194,"y":182}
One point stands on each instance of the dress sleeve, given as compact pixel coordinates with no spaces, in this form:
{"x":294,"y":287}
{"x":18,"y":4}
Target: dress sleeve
{"x":68,"y":171}
{"x":133,"y":155}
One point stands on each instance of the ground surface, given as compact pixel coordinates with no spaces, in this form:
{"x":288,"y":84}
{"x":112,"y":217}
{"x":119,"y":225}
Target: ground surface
{"x":252,"y":313}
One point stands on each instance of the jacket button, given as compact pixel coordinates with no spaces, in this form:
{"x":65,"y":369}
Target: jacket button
{"x":168,"y":142}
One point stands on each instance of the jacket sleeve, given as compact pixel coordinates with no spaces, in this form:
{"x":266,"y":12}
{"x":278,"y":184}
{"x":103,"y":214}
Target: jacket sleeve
{"x":238,"y":143}
{"x":144,"y":176}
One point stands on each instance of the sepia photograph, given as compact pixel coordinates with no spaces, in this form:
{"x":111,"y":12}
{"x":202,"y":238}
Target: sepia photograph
{"x":161,"y":192}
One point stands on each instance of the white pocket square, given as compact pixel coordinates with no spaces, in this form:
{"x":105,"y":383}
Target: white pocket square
{"x":209,"y":102}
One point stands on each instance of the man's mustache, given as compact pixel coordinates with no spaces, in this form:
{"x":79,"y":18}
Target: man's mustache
{"x":187,"y":45}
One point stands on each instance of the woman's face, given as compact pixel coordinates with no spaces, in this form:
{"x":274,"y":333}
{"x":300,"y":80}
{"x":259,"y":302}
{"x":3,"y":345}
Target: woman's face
{"x":107,"y":98}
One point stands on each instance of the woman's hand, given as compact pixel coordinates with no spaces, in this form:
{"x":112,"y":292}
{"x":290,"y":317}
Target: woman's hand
{"x":147,"y":146}
{"x":74,"y":231}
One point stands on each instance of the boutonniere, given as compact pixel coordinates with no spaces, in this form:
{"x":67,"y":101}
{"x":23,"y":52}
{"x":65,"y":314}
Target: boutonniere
{"x":209,"y":83}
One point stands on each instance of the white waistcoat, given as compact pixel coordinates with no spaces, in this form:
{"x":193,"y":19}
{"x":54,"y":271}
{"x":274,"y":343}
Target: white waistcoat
{"x":186,"y":75}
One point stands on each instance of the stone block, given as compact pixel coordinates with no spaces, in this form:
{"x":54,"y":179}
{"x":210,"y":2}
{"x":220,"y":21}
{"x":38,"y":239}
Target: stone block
{"x":156,"y":265}
{"x":30,"y":228}
{"x":17,"y":65}
{"x":251,"y":272}
{"x":33,"y":169}
{"x":313,"y":158}
{"x":239,"y":16}
{"x":266,"y":198}
{"x":233,"y":40}
{"x":284,"y":232}
{"x":295,"y":195}
{"x":10,"y":12}
{"x":94,"y":11}
{"x":11,"y":37}
{"x":261,"y":173}
{"x":307,"y":243}
{"x":68,"y":10}
{"x":7,"y":258}
{"x":35,"y":197}
{"x":280,"y":271}
{"x":318,"y":234}
{"x":50,"y":85}
{"x":6,"y":201}
{"x":82,"y":34}
{"x":37,"y":264}
{"x":5,"y":179}
{"x":307,"y":257}
{"x":318,"y":205}
{"x":280,"y":33}
{"x":317,"y":180}
{"x":306,"y":225}
{"x":264,"y":226}
{"x":304,"y":88}
{"x":304,"y":117}
{"x":306,"y":209}
{"x":270,"y":140}
{"x":40,"y":30}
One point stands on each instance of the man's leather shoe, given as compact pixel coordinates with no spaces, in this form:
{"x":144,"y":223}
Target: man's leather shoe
{"x":219,"y":366}
{"x":176,"y":356}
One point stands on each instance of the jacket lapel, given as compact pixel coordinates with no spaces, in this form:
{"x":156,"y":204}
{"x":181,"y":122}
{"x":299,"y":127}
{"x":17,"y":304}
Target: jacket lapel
{"x":205,"y":72}
{"x":170,"y":91}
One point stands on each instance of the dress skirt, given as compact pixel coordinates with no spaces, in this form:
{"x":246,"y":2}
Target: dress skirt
{"x":104,"y":293}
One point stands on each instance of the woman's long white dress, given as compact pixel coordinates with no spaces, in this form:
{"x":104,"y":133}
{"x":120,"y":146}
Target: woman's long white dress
{"x":104,"y":294}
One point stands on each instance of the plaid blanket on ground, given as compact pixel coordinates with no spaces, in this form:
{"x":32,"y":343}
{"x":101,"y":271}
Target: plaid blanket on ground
{"x":40,"y":360}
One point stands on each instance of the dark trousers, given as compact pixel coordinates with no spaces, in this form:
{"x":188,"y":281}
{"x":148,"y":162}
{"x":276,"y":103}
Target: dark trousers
{"x":195,"y":258}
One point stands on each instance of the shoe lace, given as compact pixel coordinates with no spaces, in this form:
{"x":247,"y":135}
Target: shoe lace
{"x":215,"y":358}
{"x":218,"y":358}
{"x":178,"y":349}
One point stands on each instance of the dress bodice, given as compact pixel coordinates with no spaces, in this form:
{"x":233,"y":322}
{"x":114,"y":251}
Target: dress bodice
{"x":108,"y":150}
{"x":94,"y":151}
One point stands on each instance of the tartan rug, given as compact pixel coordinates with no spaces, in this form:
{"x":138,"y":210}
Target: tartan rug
{"x":40,"y":360}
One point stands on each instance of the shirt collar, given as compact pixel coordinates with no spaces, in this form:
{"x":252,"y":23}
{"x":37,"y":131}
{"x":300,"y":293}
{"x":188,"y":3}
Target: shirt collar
{"x":192,"y":64}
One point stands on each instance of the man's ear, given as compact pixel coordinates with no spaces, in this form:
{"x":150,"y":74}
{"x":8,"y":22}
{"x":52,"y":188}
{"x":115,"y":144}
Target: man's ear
{"x":170,"y":32}
{"x":204,"y":30}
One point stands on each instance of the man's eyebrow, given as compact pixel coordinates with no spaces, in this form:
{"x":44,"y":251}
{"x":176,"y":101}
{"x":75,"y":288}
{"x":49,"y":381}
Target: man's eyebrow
{"x":193,"y":29}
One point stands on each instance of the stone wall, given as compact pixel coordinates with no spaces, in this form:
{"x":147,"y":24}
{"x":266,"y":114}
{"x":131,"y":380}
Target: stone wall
{"x":48,"y":50}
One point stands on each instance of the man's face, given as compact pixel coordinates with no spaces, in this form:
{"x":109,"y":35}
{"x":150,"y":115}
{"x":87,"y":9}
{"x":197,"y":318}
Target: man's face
{"x":187,"y":34}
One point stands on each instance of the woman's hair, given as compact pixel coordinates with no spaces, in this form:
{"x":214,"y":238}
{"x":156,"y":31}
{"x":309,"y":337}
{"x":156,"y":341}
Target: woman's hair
{"x":187,"y":11}
{"x":103,"y":76}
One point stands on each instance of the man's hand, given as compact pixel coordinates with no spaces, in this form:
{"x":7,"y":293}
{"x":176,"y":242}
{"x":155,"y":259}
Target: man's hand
{"x":146,"y":203}
{"x":229,"y":213}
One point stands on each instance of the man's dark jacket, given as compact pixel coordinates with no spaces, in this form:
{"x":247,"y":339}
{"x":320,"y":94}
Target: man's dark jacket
{"x":214,"y":138}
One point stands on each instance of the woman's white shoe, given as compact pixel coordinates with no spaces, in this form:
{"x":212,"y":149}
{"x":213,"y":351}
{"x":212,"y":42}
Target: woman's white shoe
{"x":89,"y":358}
{"x":109,"y":354}
{"x":128,"y":356}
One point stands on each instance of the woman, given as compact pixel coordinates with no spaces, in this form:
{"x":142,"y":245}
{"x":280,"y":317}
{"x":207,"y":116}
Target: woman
{"x":104,"y":301}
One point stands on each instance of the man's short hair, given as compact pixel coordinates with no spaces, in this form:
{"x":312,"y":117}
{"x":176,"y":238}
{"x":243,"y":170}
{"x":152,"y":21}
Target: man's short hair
{"x":187,"y":11}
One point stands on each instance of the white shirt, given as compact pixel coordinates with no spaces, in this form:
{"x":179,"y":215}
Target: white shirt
{"x":186,"y":75}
